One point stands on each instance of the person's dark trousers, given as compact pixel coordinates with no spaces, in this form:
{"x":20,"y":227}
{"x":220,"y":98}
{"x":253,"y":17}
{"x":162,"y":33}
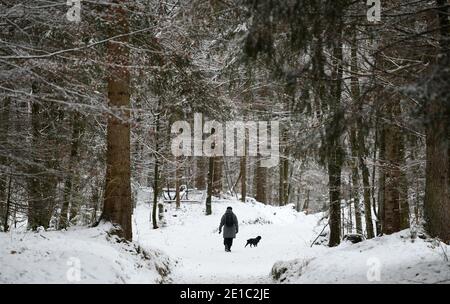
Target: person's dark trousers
{"x":228,"y":242}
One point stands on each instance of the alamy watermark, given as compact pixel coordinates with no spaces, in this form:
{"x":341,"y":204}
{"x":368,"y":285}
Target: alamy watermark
{"x":374,"y":272}
{"x":188,"y":143}
{"x":374,"y":11}
{"x":74,"y":12}
{"x":73,"y":274}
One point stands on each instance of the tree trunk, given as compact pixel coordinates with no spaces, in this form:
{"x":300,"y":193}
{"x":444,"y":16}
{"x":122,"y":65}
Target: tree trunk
{"x":4,"y":126}
{"x":286,"y":178}
{"x":334,"y":132}
{"x":67,"y":196}
{"x":33,"y":182}
{"x":117,"y":202}
{"x":95,"y":198}
{"x":381,"y":179}
{"x":437,"y":204}
{"x":8,"y":207}
{"x":261,"y":182}
{"x":404,"y":205}
{"x":156,"y":172}
{"x":200,"y":173}
{"x":155,"y":194}
{"x":375,"y":206}
{"x":281,"y":182}
{"x":75,"y":202}
{"x":217,"y":177}
{"x":41,"y":183}
{"x":283,"y":196}
{"x":350,"y":211}
{"x":243,"y":168}
{"x":367,"y":206}
{"x":393,"y":138}
{"x":177,"y":186}
{"x":210,"y":186}
{"x":243,"y":174}
{"x":342,"y":219}
{"x":334,"y":184}
{"x":361,"y":148}
{"x":437,"y":193}
{"x":355,"y":181}
{"x":306,"y":204}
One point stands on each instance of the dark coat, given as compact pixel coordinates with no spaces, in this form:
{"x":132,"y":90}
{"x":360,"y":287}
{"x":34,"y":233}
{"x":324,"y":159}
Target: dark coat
{"x":229,"y":231}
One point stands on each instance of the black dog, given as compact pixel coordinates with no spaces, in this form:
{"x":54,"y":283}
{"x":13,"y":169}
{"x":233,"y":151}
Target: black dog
{"x":253,"y":242}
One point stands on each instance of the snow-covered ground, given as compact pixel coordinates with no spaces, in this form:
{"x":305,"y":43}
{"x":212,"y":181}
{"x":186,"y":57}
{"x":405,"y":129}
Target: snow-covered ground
{"x":79,"y":255}
{"x":193,"y":238}
{"x":187,"y":248}
{"x":395,"y":258}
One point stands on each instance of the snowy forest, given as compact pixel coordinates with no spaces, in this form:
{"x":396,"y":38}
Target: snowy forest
{"x":93,"y":94}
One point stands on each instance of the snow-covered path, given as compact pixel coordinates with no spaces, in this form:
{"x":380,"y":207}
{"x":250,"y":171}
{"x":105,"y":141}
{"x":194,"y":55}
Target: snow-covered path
{"x":192,"y":239}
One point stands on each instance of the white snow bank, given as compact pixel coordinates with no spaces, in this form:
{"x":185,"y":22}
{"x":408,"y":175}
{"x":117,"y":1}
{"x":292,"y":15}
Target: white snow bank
{"x":395,"y":258}
{"x":79,"y":255}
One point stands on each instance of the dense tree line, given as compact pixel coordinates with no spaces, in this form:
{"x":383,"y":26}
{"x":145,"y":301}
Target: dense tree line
{"x":87,"y":108}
